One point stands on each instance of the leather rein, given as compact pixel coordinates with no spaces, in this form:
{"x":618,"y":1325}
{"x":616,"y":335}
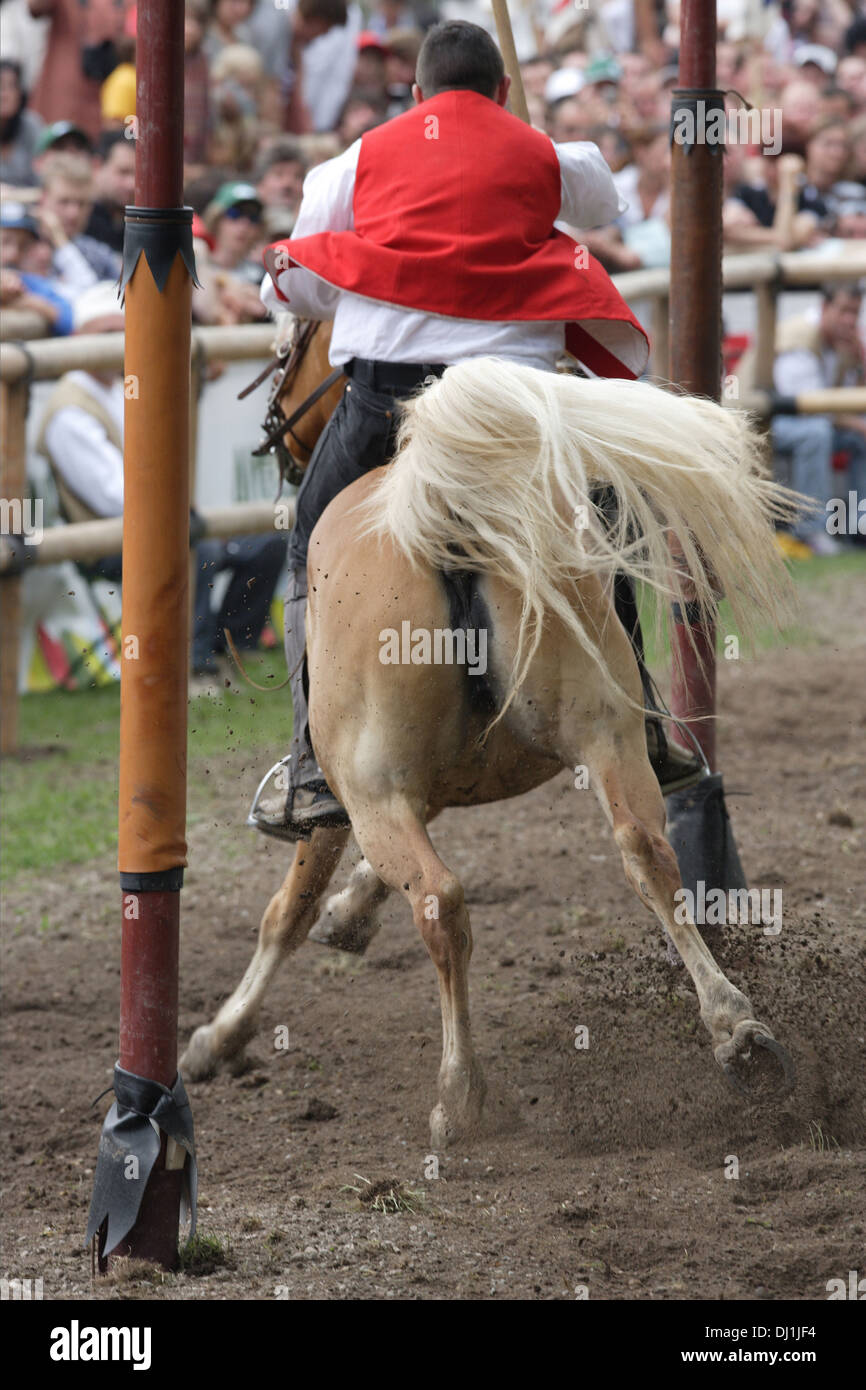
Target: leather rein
{"x":286,"y":365}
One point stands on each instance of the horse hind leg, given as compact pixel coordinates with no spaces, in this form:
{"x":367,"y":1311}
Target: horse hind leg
{"x":349,"y":919}
{"x":285,"y":924}
{"x":611,"y":743}
{"x":628,"y":791}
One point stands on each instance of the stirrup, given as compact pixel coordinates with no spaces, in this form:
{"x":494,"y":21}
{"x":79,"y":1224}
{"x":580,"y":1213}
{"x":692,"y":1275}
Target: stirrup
{"x":270,"y":816}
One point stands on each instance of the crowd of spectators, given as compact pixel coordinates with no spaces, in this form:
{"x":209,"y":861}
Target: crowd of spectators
{"x":274,"y":88}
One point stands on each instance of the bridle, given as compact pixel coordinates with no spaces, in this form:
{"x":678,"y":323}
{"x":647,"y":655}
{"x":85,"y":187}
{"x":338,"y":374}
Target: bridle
{"x":286,"y":365}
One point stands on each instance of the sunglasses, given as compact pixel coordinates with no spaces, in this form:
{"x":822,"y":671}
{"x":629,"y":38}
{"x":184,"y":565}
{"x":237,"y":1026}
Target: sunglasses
{"x":250,"y":211}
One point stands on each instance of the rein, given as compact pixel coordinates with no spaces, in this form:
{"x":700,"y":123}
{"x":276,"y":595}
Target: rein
{"x":277,"y":424}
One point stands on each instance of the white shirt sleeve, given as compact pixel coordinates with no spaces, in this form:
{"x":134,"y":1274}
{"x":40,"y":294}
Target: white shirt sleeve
{"x":796,"y":371}
{"x":75,"y":272}
{"x":589,"y":195}
{"x":326,"y":206}
{"x":86,"y":459}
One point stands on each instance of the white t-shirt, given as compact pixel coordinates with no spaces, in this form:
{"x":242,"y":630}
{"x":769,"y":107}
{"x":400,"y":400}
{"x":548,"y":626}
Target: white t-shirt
{"x":85,"y":457}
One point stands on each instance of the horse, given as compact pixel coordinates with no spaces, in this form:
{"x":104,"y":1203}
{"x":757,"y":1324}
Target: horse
{"x":495,"y":473}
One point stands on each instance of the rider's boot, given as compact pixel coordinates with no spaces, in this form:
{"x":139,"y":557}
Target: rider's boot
{"x":294,"y":799}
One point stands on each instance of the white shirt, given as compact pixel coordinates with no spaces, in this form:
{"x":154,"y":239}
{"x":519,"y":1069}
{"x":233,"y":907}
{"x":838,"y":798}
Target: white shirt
{"x":88,"y":462}
{"x":626,"y":182}
{"x":385,"y":333}
{"x":328,"y":68}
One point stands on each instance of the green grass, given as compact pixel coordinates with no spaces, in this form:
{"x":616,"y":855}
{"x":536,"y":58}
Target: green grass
{"x":60,"y":792}
{"x":822,"y":576}
{"x":60,"y":807}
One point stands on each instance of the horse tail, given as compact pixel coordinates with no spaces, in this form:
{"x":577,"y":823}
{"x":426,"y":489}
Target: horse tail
{"x":499,"y":469}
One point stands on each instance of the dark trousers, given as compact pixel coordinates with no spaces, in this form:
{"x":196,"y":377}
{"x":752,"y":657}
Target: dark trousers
{"x":255,"y":563}
{"x":360,"y":435}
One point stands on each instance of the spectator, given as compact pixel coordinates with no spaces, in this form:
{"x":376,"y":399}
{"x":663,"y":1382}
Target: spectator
{"x":117,"y":98}
{"x":65,"y":208}
{"x":764,"y":206}
{"x":851,"y":77}
{"x":370,"y":63}
{"x":403,"y":47}
{"x":362,"y":112}
{"x":229,"y":269}
{"x":228,"y":25}
{"x":114,"y":188}
{"x":816,"y":63}
{"x":196,"y":82}
{"x":237,"y":76}
{"x":19,"y":129}
{"x":22,"y":286}
{"x":828,"y":152}
{"x":234,"y":221}
{"x":80,"y":54}
{"x":23,"y":39}
{"x":255,"y":564}
{"x":812,"y":352}
{"x":645,"y":186}
{"x":81,"y":436}
{"x":566,"y":121}
{"x":802,"y":110}
{"x":81,"y":429}
{"x":61,"y":137}
{"x":323,"y":55}
{"x":279,"y":179}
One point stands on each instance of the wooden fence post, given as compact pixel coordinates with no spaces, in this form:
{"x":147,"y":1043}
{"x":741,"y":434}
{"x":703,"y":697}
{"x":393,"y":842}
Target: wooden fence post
{"x":13,"y":486}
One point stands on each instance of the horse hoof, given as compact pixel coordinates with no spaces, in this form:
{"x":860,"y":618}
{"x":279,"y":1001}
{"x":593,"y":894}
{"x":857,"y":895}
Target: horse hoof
{"x":198,"y":1062}
{"x":353,"y":936}
{"x":743,"y":1067}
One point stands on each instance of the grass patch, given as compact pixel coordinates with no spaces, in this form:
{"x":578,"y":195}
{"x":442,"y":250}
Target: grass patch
{"x":60,"y":791}
{"x":820,"y":1142}
{"x":386,"y":1196}
{"x":203,"y":1254}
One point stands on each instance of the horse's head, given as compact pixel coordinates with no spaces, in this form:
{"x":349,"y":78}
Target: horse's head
{"x":304,"y":394}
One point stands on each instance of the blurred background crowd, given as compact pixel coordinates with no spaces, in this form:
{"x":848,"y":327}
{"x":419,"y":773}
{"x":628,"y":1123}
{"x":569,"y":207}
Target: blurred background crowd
{"x":274,"y":87}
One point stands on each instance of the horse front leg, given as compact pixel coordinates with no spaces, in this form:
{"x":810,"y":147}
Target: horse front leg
{"x":285,"y":924}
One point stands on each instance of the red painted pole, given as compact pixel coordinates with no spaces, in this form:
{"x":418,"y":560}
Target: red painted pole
{"x":153,"y":719}
{"x":159,"y":104}
{"x":696,"y":316}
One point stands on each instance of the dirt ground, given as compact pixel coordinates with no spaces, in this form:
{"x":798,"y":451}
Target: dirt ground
{"x":601,"y":1168}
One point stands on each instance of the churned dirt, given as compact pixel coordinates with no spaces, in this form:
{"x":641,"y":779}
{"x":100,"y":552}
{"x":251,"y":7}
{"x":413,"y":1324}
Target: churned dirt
{"x":599,"y":1169}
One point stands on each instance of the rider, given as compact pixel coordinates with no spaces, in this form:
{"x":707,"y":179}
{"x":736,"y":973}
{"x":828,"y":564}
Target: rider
{"x":429,"y":240}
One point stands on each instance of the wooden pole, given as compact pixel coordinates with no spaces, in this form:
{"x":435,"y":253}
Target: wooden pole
{"x":13,"y":472}
{"x":696,"y":312}
{"x":154,"y":667}
{"x":517,"y":95}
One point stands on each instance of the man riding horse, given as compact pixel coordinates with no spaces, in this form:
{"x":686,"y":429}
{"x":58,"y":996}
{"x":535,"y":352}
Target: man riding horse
{"x":433,"y":239}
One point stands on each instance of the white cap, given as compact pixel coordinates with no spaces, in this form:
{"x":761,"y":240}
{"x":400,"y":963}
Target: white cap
{"x":817,"y":53}
{"x":99,"y":302}
{"x":565,"y":82}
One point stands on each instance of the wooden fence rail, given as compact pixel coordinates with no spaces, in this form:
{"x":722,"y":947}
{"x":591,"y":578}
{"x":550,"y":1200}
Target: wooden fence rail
{"x":41,"y":359}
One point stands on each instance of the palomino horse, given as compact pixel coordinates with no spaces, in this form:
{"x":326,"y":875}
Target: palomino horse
{"x":494,"y":475}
